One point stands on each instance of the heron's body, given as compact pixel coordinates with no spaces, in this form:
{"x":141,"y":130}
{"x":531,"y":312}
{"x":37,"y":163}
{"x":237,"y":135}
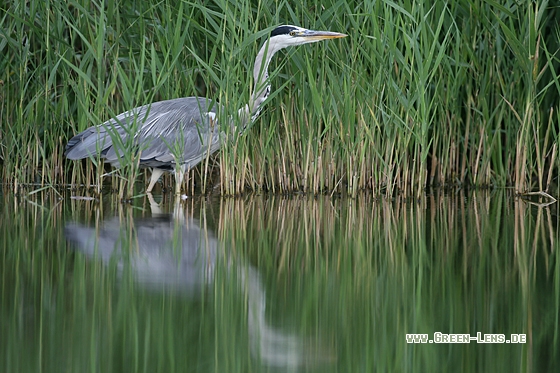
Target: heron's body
{"x":182,"y":132}
{"x":175,"y":135}
{"x":161,"y":123}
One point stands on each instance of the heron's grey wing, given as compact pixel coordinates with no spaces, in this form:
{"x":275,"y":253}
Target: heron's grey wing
{"x":179,"y":131}
{"x":99,"y":140}
{"x":165,"y":132}
{"x":95,"y":140}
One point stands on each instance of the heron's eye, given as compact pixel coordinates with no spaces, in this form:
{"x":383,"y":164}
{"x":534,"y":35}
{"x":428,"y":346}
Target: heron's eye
{"x":292,"y":33}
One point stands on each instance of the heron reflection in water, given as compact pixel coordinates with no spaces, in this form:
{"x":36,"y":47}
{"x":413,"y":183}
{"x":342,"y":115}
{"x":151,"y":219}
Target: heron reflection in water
{"x":179,"y":253}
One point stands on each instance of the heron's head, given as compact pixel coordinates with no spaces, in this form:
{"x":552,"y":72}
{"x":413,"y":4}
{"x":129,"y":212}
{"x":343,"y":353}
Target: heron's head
{"x":288,"y":35}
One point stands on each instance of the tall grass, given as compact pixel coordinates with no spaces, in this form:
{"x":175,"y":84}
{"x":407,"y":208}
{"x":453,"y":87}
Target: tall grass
{"x":456,"y":93}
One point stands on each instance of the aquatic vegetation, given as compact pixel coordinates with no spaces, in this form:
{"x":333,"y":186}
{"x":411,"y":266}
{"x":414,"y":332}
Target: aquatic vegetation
{"x":458,"y":93}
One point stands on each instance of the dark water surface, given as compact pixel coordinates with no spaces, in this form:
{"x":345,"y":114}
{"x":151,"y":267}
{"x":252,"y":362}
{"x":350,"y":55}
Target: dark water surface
{"x":274,"y":284}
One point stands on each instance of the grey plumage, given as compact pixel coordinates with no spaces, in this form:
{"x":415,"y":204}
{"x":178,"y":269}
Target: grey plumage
{"x":175,"y":135}
{"x":182,"y":124}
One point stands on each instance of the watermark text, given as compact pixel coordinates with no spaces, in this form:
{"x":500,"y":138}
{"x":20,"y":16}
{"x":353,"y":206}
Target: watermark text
{"x":438,"y":337}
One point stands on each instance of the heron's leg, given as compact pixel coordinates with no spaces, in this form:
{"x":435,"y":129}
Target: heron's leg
{"x":154,"y":206}
{"x":156,"y":174}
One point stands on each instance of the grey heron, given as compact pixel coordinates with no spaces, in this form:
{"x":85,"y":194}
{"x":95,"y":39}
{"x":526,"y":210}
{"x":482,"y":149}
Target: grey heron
{"x":175,"y":135}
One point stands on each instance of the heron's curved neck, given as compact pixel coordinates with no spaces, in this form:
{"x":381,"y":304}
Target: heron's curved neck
{"x":260,"y":76}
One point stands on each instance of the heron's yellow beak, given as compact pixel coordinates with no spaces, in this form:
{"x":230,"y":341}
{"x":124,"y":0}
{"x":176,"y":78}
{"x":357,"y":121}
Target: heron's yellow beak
{"x":319,"y":35}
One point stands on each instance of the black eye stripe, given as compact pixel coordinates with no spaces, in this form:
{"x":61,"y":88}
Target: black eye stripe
{"x":282,"y":30}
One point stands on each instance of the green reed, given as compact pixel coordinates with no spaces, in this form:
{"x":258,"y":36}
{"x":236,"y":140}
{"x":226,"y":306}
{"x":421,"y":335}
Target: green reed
{"x":454,"y":93}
